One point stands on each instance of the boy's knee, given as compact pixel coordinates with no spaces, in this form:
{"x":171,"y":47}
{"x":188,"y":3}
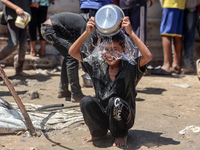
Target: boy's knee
{"x":86,"y":102}
{"x":120,"y":109}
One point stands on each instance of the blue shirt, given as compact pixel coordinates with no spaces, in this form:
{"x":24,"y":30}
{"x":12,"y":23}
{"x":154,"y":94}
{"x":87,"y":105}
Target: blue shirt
{"x":42,"y":2}
{"x":94,"y":4}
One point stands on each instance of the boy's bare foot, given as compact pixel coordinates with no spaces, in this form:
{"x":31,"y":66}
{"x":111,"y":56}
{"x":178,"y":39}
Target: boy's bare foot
{"x":91,"y":138}
{"x":42,"y":51}
{"x":23,"y":74}
{"x":33,"y":53}
{"x":120,"y":141}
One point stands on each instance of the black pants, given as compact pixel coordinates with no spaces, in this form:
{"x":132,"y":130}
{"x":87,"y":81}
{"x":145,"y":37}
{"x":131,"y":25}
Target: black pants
{"x":69,"y":72}
{"x":117,"y":117}
{"x":38,"y":16}
{"x":92,"y":12}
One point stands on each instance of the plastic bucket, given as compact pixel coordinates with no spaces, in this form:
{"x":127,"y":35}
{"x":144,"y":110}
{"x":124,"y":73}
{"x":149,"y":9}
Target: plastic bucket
{"x":22,"y":20}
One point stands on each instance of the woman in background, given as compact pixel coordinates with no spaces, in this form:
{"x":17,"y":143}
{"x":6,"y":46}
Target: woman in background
{"x":38,"y":16}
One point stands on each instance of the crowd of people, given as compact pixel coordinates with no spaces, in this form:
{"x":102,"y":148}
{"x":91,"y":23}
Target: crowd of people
{"x":114,"y":80}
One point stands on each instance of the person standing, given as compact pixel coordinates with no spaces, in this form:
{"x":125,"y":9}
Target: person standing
{"x":171,"y":28}
{"x":38,"y":15}
{"x":190,"y":17}
{"x":61,"y":30}
{"x":91,"y":6}
{"x":136,"y":10}
{"x":11,"y":9}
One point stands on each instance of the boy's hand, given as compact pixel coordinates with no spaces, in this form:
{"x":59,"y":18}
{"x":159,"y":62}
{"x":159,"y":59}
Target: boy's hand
{"x":34,"y":4}
{"x":126,"y":24}
{"x":19,"y":11}
{"x":52,"y":1}
{"x":90,"y":27}
{"x":151,"y":3}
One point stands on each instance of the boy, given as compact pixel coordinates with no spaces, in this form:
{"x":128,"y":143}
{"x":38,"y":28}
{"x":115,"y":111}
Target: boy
{"x":114,"y":82}
{"x":58,"y":31}
{"x":11,"y":10}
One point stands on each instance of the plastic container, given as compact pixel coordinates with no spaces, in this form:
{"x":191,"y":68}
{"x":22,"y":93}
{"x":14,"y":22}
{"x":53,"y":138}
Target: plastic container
{"x":22,"y":20}
{"x":87,"y":80}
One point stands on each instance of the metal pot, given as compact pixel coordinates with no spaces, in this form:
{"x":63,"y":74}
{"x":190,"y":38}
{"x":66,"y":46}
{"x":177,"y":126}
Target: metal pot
{"x":108,"y":19}
{"x":87,"y":80}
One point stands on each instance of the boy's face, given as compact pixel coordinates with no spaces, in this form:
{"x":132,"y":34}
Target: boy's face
{"x":112,"y":53}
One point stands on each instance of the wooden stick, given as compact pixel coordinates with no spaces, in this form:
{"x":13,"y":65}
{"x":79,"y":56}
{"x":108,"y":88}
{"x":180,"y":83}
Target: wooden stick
{"x":18,"y":101}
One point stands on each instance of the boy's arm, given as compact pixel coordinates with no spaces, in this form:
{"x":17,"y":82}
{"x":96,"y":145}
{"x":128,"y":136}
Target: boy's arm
{"x":9,"y":4}
{"x":146,"y":54}
{"x":74,"y":50}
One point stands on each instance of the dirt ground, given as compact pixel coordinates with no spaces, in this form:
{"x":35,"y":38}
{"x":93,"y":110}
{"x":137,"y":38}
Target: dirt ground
{"x":165,"y":106}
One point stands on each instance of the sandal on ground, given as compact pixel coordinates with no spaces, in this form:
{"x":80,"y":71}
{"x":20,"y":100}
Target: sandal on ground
{"x":198,"y":68}
{"x":64,"y":94}
{"x":160,"y":71}
{"x":176,"y":70}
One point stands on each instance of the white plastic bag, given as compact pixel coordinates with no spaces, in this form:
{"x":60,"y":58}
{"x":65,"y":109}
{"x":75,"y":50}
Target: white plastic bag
{"x":10,"y":119}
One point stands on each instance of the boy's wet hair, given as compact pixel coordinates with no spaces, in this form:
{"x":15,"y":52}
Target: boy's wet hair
{"x":118,"y":38}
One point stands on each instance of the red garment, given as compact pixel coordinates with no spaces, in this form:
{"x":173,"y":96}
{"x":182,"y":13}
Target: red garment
{"x":115,"y":2}
{"x":198,"y":8}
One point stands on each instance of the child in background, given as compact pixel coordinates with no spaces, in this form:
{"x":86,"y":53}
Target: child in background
{"x":114,"y":81}
{"x":11,"y":10}
{"x":38,"y":16}
{"x":171,"y":28}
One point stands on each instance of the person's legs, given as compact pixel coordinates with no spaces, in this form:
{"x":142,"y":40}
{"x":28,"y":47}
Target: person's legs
{"x":198,"y":22}
{"x":167,"y":53}
{"x":134,"y":15}
{"x":143,"y":19}
{"x":177,"y":54}
{"x":189,"y":36}
{"x":72,"y":66}
{"x":22,"y":51}
{"x":42,"y":12}
{"x":62,"y":44}
{"x":121,"y":119}
{"x":94,"y":117}
{"x":33,"y":31}
{"x":73,"y":77}
{"x":42,"y":48}
{"x":63,"y":90}
{"x":13,"y":32}
{"x":32,"y":47}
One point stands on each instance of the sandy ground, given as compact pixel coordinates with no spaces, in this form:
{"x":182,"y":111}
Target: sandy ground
{"x":163,"y":108}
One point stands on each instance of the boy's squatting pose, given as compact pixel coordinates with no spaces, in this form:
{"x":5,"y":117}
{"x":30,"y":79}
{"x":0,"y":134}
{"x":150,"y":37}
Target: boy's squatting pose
{"x":114,"y":81}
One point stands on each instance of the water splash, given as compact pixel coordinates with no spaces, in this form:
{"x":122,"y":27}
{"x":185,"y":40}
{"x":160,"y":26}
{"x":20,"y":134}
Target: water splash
{"x":127,"y":52}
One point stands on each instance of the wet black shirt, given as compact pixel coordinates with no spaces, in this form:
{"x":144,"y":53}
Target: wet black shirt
{"x":124,"y":85}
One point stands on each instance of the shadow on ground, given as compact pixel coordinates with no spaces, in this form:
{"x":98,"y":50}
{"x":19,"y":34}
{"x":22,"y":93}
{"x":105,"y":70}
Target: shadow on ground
{"x":150,"y":90}
{"x":39,"y":78}
{"x":7,"y":93}
{"x":137,"y":139}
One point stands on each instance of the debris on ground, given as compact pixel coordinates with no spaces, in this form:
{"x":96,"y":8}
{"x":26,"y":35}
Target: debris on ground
{"x":193,"y":128}
{"x":11,"y":119}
